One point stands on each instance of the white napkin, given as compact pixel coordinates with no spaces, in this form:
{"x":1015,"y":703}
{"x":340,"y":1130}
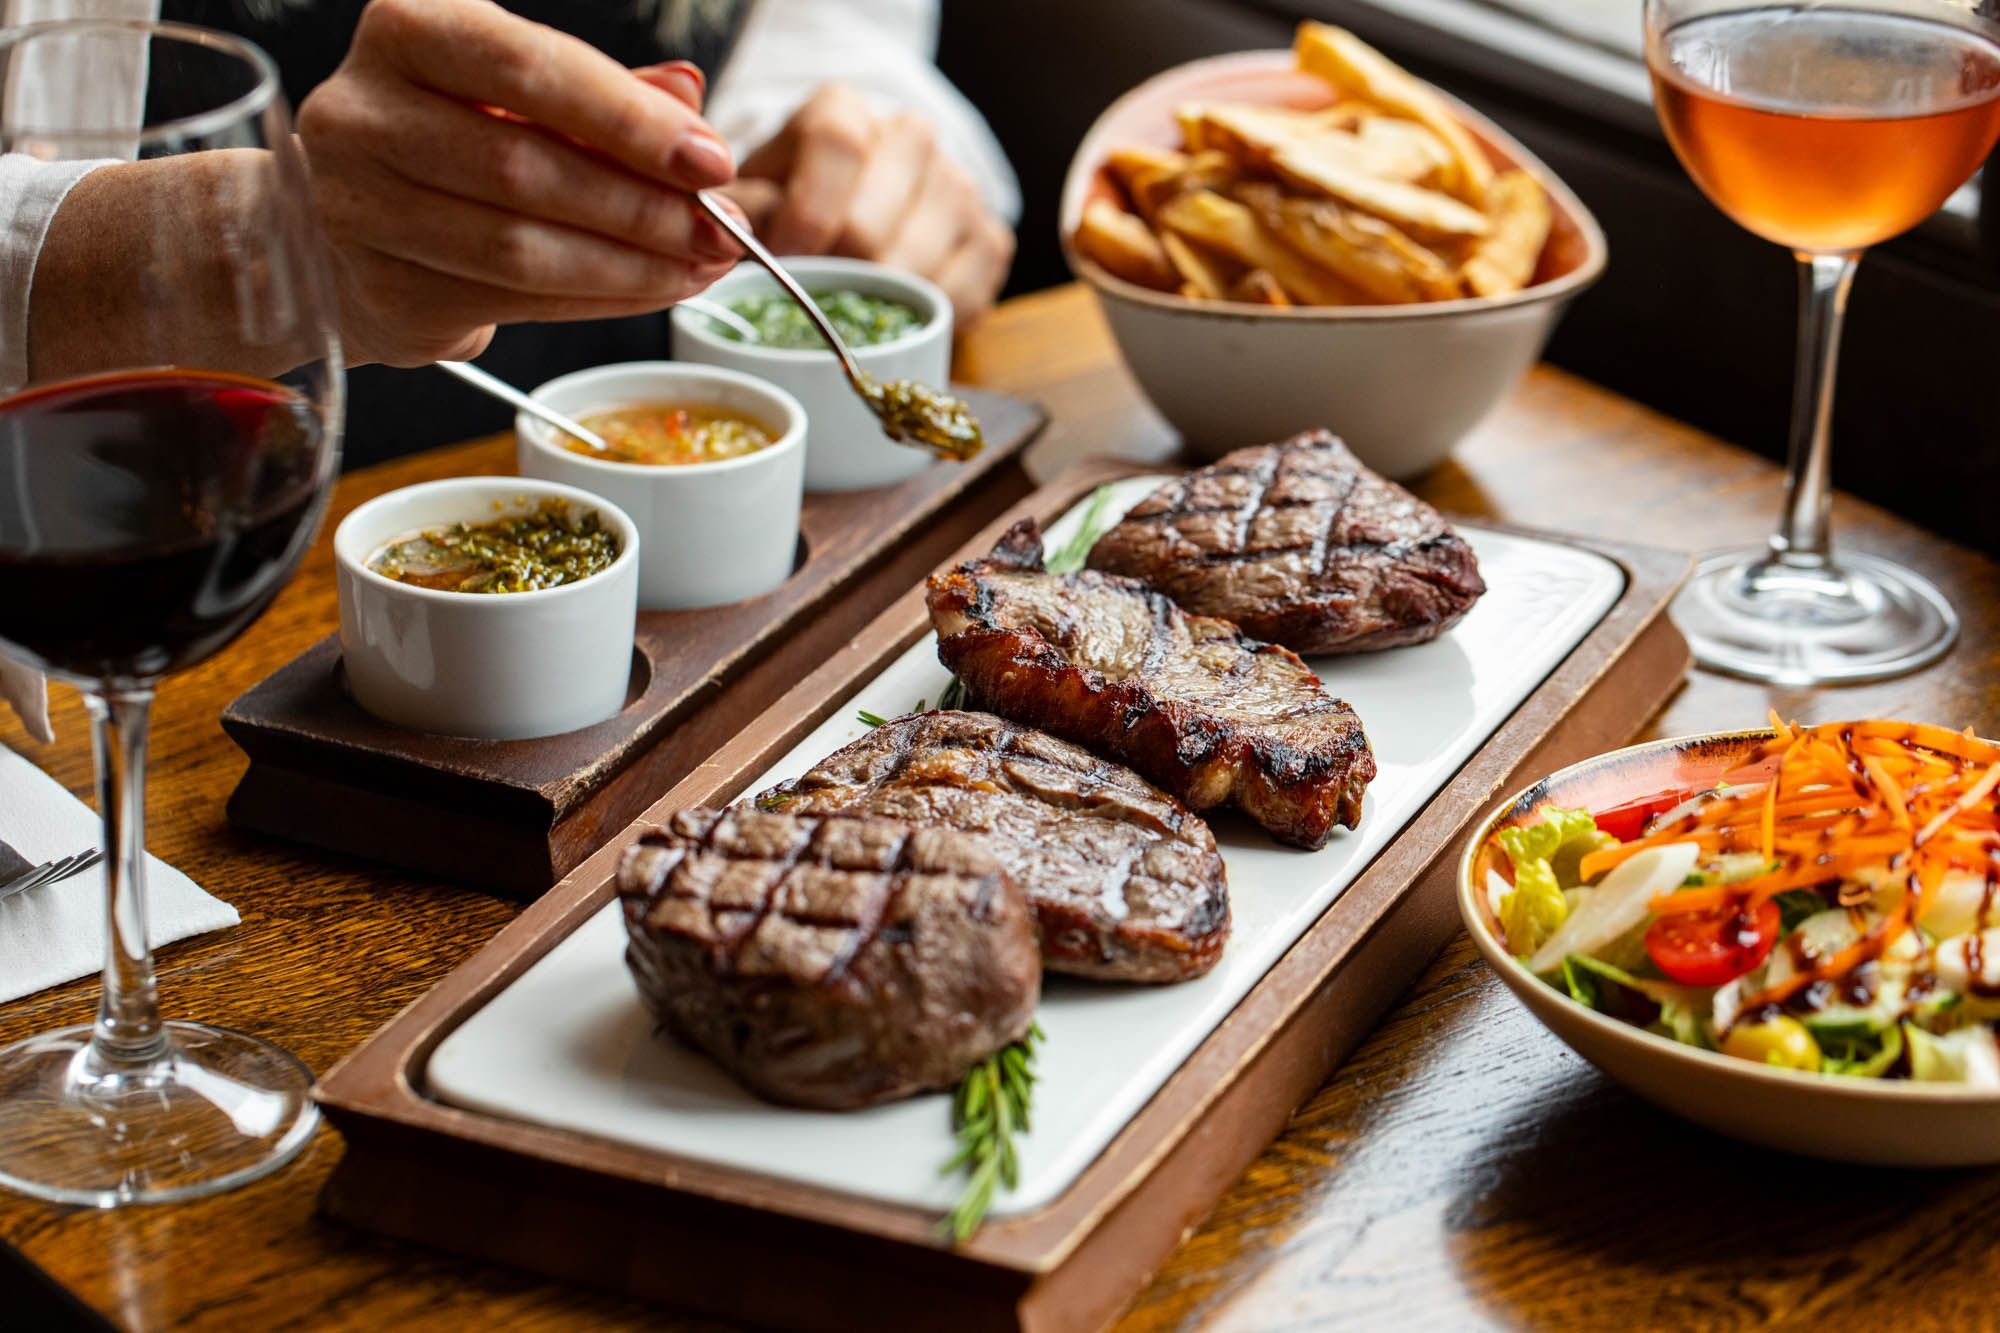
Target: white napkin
{"x":56,"y":932}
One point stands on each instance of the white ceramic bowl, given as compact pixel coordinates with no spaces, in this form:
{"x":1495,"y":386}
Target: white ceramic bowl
{"x":1402,"y":384}
{"x":1869,"y":1121}
{"x":499,"y":666}
{"x":710,"y":533}
{"x":845,"y":449}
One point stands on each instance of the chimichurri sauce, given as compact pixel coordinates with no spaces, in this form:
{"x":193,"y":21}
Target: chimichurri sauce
{"x":545,"y":547}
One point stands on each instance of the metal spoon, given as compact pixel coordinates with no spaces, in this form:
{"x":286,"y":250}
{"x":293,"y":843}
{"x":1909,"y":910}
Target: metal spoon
{"x":507,"y":393}
{"x":910,"y":413}
{"x":722,"y":314}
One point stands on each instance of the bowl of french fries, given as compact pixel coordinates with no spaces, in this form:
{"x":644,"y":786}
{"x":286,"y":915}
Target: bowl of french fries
{"x":1283,"y":240}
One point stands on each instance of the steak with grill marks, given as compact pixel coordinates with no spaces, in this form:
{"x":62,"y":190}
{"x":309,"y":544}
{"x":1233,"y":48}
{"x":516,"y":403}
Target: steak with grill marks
{"x":1191,"y":702}
{"x":1302,"y":545}
{"x":1124,"y":881}
{"x":832,"y":962}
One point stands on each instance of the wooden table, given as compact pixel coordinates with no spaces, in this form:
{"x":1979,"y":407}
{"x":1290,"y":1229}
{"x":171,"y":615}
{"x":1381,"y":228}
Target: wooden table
{"x":1463,"y":1169}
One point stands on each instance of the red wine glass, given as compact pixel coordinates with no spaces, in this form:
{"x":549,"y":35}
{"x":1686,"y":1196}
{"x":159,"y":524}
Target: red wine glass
{"x":160,"y":479}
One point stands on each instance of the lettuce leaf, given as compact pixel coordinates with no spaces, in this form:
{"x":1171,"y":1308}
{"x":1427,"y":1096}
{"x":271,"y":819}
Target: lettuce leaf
{"x":1965,"y":1055}
{"x":1863,"y":1058}
{"x":1540,"y":853}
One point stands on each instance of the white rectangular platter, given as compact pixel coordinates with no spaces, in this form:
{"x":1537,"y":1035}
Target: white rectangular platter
{"x":568,"y":1044}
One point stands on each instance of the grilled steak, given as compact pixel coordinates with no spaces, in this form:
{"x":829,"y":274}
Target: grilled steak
{"x":1124,"y":881}
{"x":1300,"y":544}
{"x":832,"y":962}
{"x":1214,"y":717}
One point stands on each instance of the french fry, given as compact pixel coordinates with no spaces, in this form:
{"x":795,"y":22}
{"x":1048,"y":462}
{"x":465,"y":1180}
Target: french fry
{"x":1403,"y":150}
{"x":1223,"y":225}
{"x":1125,"y":246}
{"x":1382,"y":262}
{"x":1194,"y":138}
{"x":1504,"y":260}
{"x":1127,"y":162}
{"x":1383,"y":196}
{"x":1359,"y":70}
{"x":1201,"y":171}
{"x":1202,"y":276}
{"x":1258,"y":287}
{"x":1250,"y":134}
{"x":1313,"y":168}
{"x":1380,"y":146}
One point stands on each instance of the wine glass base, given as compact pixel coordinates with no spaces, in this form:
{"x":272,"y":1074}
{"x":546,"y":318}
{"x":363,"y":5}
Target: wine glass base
{"x":1858,"y":618}
{"x":218,"y":1110}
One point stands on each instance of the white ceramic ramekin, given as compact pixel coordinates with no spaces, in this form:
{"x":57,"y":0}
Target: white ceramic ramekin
{"x":498,"y":666}
{"x":711,"y":532}
{"x":845,"y":449}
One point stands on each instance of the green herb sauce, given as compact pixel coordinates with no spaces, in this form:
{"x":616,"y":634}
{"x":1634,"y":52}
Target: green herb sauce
{"x":543,"y":548}
{"x":860,"y":319}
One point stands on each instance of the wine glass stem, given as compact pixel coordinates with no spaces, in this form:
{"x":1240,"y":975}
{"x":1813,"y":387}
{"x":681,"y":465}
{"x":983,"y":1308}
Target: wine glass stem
{"x":128,"y":1012}
{"x":1803,"y":537}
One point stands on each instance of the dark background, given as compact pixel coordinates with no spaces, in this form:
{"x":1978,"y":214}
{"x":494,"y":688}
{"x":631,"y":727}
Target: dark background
{"x":1694,"y":316}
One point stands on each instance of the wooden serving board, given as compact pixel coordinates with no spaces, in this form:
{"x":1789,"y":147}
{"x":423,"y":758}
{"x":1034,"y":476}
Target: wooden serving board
{"x":513,"y":817}
{"x":693,"y":1234}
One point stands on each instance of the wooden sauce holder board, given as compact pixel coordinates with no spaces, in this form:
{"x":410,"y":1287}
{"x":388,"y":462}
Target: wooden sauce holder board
{"x":513,"y":817}
{"x":692,"y":1234}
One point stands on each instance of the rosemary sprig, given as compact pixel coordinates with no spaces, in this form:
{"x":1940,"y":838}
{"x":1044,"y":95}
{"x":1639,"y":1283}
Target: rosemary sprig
{"x":953,"y":695}
{"x":988,"y":1110}
{"x":869,"y":719}
{"x":1077,"y":549}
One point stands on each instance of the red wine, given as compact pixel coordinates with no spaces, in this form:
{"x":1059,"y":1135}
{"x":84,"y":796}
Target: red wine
{"x":147,"y":518}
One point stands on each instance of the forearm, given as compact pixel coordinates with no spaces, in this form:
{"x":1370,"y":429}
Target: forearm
{"x":145,"y":264}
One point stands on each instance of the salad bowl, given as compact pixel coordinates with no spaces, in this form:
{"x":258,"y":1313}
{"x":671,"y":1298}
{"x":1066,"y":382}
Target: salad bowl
{"x":1871,"y":1121}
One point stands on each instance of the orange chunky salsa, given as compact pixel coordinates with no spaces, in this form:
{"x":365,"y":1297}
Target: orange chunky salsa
{"x":669,"y":434}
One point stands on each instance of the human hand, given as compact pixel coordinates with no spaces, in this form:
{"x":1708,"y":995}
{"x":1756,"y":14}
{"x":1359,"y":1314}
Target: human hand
{"x":472,"y":168}
{"x":838,"y":179}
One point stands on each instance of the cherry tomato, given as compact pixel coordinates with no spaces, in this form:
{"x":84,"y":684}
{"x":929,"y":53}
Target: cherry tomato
{"x":1709,"y":948}
{"x":1626,"y":822}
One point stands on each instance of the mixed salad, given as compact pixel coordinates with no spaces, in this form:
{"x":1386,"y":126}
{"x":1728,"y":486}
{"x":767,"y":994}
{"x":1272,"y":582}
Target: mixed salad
{"x":1833,"y":906}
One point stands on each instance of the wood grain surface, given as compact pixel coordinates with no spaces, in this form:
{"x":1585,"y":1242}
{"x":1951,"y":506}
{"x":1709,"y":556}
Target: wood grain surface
{"x":1463,"y":1170}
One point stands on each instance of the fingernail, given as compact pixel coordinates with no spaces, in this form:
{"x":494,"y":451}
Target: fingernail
{"x":690,"y":71}
{"x":700,"y":161}
{"x":683,"y":82}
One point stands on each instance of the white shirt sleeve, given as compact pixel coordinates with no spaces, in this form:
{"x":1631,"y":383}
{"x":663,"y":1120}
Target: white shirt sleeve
{"x":886,"y":49}
{"x":30,"y":193}
{"x":108,"y":91}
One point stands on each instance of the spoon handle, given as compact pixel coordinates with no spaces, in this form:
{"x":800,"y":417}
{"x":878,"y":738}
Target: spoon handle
{"x":755,"y":248}
{"x":507,"y":393}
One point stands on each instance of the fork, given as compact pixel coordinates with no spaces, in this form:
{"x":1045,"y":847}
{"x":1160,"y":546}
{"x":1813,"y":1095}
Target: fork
{"x":48,"y":872}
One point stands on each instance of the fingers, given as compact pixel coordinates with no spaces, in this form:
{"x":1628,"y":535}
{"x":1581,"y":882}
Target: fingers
{"x":888,"y":184}
{"x":756,"y":200}
{"x":948,"y":208}
{"x":404,"y":314}
{"x":477,"y":52}
{"x":436,"y":143}
{"x":679,"y":79}
{"x":501,"y":250}
{"x":973,"y":275}
{"x":820,"y":156}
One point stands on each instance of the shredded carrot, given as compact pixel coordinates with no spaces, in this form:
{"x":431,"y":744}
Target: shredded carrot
{"x":1833,"y":802}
